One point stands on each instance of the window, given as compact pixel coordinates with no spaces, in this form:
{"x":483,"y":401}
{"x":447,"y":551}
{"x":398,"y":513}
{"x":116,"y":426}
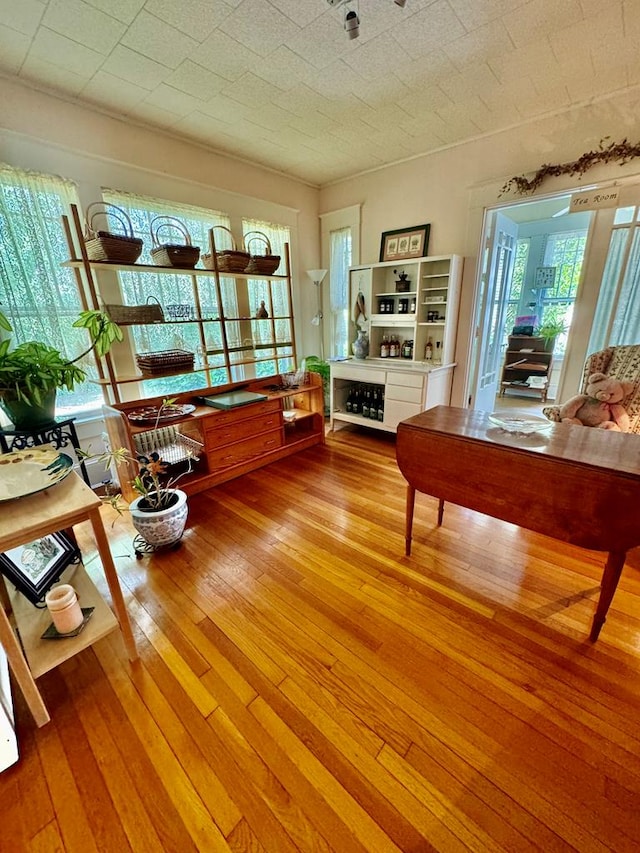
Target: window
{"x":39,"y":296}
{"x":246,"y":341}
{"x":277,"y":299}
{"x":564,"y":251}
{"x":173,"y":289}
{"x":340,"y":261}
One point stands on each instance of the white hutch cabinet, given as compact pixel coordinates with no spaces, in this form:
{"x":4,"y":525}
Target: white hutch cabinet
{"x":408,"y":308}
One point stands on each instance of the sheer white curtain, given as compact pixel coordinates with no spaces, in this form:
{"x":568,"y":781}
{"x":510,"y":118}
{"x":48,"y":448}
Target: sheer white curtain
{"x":340,"y":261}
{"x":37,"y":293}
{"x":617,"y":318}
{"x":174,"y":289}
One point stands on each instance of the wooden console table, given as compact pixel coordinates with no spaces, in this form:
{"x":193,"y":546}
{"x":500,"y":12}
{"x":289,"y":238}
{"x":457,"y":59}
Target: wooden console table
{"x":573,"y":483}
{"x":24,"y":520}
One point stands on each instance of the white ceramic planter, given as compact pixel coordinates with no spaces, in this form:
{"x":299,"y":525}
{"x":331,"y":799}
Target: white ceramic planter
{"x":164,"y":526}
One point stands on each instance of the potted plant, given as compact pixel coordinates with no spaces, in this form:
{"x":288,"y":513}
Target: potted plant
{"x":159,"y":513}
{"x":32,"y":372}
{"x":318,"y":365}
{"x":549,"y":329}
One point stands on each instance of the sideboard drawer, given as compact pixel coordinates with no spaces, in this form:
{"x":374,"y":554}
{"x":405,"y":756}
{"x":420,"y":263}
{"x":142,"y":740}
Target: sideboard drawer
{"x":218,"y":435}
{"x":218,"y":418}
{"x":234,"y":454}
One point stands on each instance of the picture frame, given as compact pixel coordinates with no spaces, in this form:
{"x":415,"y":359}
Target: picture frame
{"x":34,"y":568}
{"x":405,"y":243}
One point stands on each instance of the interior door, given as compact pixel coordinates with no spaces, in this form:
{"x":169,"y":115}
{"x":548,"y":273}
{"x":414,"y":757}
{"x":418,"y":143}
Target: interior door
{"x":495,"y":283}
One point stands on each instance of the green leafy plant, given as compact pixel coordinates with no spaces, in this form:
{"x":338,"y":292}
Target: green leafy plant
{"x":33,"y":369}
{"x":318,"y":365}
{"x":550,"y":329}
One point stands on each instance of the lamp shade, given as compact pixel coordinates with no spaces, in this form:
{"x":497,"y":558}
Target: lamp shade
{"x":316,"y":276}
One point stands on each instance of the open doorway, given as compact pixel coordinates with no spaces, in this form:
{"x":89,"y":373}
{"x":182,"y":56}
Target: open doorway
{"x":532,"y":268}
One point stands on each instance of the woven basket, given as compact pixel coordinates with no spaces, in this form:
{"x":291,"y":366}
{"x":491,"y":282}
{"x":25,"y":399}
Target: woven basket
{"x":261,"y":264}
{"x":105,"y":246}
{"x":181,"y":256}
{"x":229,"y":260}
{"x":168,"y":361}
{"x":128,"y":315}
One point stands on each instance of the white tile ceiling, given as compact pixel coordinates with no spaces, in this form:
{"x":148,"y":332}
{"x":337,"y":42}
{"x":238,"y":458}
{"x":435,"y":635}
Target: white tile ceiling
{"x":279,"y":83}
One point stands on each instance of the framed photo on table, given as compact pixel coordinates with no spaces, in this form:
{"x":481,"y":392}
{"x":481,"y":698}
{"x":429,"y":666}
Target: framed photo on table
{"x":34,"y":568}
{"x":405,"y":243}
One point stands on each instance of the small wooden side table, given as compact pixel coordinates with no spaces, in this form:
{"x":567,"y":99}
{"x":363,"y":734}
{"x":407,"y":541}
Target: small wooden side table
{"x":24,"y":520}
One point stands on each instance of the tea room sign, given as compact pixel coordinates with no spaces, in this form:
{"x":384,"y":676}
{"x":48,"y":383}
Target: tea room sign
{"x":594,"y":199}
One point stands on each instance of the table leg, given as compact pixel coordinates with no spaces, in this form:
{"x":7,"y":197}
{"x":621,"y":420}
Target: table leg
{"x":114,"y":584}
{"x":440,"y":511}
{"x":411,"y":500}
{"x":21,"y":671}
{"x":610,"y":578}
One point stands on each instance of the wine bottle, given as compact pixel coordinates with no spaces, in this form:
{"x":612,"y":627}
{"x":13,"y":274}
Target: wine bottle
{"x":365,"y":403}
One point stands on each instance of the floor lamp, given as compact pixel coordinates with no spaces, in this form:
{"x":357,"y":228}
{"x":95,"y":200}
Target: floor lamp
{"x":317,"y":277}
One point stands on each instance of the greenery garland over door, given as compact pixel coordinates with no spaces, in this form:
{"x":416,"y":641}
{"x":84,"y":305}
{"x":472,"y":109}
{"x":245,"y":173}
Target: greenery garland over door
{"x":621,"y":152}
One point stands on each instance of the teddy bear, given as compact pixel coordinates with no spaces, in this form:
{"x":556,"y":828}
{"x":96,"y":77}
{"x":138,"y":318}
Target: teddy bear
{"x":601,"y":406}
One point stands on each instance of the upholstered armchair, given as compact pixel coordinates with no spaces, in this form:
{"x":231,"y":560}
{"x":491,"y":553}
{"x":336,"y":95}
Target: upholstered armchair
{"x":624,"y":364}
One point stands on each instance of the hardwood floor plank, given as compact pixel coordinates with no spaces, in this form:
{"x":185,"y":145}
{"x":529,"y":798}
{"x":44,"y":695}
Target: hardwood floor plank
{"x":284,"y":807}
{"x":48,"y":840}
{"x":184,"y":675}
{"x":428,"y":824}
{"x":156,"y":741}
{"x":360,"y":823}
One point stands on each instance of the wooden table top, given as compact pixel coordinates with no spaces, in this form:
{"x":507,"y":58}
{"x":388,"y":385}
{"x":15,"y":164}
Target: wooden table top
{"x":28,"y":518}
{"x":571,"y":443}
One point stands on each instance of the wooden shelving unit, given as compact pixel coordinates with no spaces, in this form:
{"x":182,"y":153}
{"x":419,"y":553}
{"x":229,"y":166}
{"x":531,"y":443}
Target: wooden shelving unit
{"x":275,"y":344}
{"x":526,"y":358}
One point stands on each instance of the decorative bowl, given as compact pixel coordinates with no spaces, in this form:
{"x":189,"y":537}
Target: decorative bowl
{"x":518,"y":423}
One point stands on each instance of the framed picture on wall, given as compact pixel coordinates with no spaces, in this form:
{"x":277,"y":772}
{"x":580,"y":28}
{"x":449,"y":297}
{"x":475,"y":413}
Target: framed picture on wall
{"x":34,"y":568}
{"x":405,"y":243}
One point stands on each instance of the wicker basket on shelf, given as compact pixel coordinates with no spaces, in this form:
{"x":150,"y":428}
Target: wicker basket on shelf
{"x":260,"y":264}
{"x":105,"y":246}
{"x":167,"y":361}
{"x":179,"y":255}
{"x":229,"y":260}
{"x":128,"y":315}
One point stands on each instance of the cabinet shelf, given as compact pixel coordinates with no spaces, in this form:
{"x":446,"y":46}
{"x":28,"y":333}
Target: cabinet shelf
{"x":76,"y":263}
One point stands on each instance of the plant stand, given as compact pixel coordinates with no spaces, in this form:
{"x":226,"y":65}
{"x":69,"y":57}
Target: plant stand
{"x":142,"y":547}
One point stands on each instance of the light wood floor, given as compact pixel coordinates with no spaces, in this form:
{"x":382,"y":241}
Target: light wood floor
{"x":304,"y":686}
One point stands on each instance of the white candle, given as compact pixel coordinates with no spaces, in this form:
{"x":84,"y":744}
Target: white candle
{"x":62,"y":603}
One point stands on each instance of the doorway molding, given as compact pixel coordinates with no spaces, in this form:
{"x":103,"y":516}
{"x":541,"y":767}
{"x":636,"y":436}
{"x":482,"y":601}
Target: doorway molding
{"x":482,"y":202}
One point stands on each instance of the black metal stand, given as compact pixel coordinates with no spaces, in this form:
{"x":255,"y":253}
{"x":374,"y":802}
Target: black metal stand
{"x":58,"y":433}
{"x":142,"y":547}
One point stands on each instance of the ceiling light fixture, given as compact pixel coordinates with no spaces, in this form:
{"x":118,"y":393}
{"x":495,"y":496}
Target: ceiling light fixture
{"x":351,"y":20}
{"x":352,"y":24}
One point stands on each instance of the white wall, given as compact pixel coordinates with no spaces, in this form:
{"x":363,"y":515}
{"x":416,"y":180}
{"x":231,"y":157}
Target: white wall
{"x":451,"y":189}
